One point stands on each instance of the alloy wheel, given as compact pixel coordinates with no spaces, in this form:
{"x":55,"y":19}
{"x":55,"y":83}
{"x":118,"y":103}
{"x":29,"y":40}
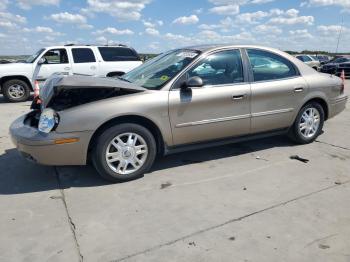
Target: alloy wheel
{"x":126,"y":153}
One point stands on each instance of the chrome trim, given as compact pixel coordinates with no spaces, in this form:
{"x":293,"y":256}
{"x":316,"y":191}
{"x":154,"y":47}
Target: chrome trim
{"x":216,"y":120}
{"x":273,"y":112}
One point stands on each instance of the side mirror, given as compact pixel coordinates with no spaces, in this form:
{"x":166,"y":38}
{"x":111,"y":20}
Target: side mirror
{"x":194,"y":81}
{"x":42,"y":61}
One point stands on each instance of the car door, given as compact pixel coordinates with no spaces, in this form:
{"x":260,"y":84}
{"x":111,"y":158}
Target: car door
{"x":84,"y":61}
{"x":220,"y":108}
{"x":277,"y":91}
{"x":56,"y":61}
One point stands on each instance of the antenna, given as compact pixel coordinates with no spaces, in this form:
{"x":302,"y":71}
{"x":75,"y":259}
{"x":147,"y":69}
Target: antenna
{"x":340,"y":32}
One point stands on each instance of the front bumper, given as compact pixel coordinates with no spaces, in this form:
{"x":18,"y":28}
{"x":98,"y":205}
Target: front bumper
{"x":41,"y":148}
{"x":337,"y":105}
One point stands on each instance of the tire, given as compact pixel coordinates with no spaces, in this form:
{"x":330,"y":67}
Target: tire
{"x":299,"y":131}
{"x":123,"y":155}
{"x":16,"y":90}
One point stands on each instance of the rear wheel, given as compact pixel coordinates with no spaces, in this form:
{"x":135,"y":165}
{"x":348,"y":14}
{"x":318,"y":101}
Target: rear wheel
{"x":124,"y":152}
{"x":16,"y":90}
{"x":308,"y":124}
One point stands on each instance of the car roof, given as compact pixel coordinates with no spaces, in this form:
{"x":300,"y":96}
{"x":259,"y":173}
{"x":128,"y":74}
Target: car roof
{"x":210,"y":47}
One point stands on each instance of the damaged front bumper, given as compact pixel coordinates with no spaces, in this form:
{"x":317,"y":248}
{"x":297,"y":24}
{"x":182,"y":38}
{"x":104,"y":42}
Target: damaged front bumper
{"x":50,"y":149}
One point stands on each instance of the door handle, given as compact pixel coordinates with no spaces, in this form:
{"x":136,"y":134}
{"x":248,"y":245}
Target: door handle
{"x":92,"y":67}
{"x":238,"y":97}
{"x":67,"y":68}
{"x":298,"y":89}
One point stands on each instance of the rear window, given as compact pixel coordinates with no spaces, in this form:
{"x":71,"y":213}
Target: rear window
{"x":110,"y":54}
{"x":83,"y":55}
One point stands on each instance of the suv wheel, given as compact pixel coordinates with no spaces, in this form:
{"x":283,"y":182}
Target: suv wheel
{"x":308,"y":124}
{"x":124,"y":152}
{"x":16,"y":90}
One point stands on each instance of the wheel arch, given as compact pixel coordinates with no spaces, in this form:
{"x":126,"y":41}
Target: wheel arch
{"x":135,"y":119}
{"x":18,"y":77}
{"x":320,"y":101}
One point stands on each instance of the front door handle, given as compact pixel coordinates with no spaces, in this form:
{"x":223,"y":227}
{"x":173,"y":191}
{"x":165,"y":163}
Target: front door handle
{"x":298,"y":89}
{"x":238,"y":97}
{"x":67,"y":68}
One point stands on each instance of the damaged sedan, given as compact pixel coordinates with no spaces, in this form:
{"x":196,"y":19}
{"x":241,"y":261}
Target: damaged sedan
{"x":183,"y":99}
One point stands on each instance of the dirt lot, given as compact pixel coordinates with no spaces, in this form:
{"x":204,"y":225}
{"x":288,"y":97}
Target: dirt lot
{"x":240,"y":202}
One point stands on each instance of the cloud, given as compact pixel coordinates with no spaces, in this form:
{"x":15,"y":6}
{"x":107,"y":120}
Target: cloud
{"x":232,"y":7}
{"x":251,"y":18}
{"x":267,"y":29}
{"x":342,"y":3}
{"x":68,"y":18}
{"x":331,"y":30}
{"x":122,"y":10}
{"x":114,"y":31}
{"x":152,"y":31}
{"x":289,"y":17}
{"x":3,"y":4}
{"x":11,"y":21}
{"x":42,"y":29}
{"x":225,"y":10}
{"x":27,"y":4}
{"x":300,"y":34}
{"x":186,"y":20}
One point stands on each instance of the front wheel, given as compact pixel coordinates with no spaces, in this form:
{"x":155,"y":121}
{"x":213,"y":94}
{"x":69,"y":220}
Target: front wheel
{"x":308,"y":124}
{"x":124,"y":152}
{"x":16,"y":90}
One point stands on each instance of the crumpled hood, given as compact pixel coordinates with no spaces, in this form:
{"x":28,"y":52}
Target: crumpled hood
{"x":57,"y":82}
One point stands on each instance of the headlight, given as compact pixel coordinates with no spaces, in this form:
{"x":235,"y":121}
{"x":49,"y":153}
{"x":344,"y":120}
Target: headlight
{"x":48,"y":120}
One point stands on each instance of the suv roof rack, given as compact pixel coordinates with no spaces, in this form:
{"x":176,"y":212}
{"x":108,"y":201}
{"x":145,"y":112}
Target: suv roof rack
{"x":95,"y":45}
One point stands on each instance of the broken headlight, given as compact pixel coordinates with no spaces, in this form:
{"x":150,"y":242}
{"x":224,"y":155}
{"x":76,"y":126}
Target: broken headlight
{"x":48,"y":120}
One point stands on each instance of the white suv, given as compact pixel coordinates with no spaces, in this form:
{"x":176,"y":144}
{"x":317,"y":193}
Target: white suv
{"x":16,"y":79}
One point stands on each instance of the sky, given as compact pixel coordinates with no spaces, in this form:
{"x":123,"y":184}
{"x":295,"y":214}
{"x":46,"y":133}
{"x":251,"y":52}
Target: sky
{"x":154,"y":26}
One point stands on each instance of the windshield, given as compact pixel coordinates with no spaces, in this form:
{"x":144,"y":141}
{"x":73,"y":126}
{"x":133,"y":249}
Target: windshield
{"x":158,"y":71}
{"x":32,"y":58}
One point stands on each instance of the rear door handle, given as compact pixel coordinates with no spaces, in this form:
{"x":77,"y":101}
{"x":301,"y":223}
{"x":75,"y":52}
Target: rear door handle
{"x":67,"y":68}
{"x":238,"y":97}
{"x":298,"y":89}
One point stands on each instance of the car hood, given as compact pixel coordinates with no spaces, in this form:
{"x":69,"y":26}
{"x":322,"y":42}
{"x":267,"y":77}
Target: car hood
{"x":58,"y":83}
{"x":14,"y":67}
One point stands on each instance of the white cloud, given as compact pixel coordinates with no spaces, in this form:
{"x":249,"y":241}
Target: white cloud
{"x":122,"y":10}
{"x":300,"y":34}
{"x":2,"y":35}
{"x":6,"y":16}
{"x":251,"y":18}
{"x":289,"y":17}
{"x":186,"y":20}
{"x":68,"y":18}
{"x":267,"y":29}
{"x":342,"y":3}
{"x":225,"y":10}
{"x":114,"y":31}
{"x":232,"y":7}
{"x":152,"y":31}
{"x":331,"y":30}
{"x":27,"y":4}
{"x":3,"y":4}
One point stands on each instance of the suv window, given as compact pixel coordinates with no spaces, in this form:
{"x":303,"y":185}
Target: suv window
{"x":306,"y":58}
{"x":56,"y":56}
{"x":221,"y":68}
{"x":118,"y":54}
{"x":83,"y":55}
{"x":269,"y":66}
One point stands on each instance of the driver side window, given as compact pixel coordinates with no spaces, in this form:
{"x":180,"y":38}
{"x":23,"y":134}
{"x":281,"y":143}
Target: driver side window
{"x":56,"y":56}
{"x":221,"y":68}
